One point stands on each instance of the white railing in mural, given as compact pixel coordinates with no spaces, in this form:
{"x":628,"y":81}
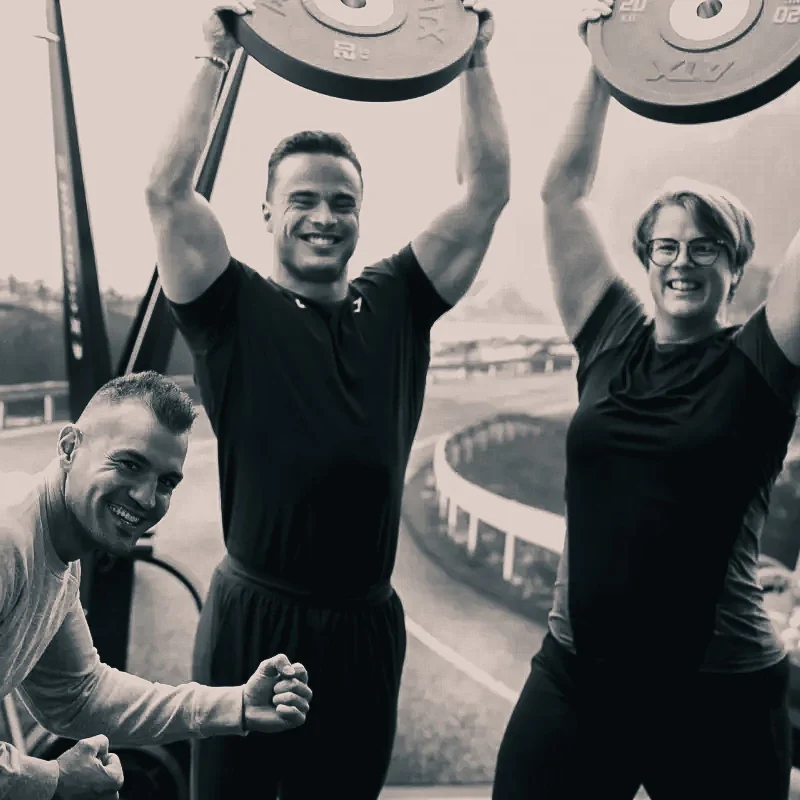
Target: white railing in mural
{"x":463,"y":504}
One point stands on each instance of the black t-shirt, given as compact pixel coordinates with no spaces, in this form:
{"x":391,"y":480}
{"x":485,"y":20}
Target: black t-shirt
{"x":315,"y":407}
{"x":669,"y":447}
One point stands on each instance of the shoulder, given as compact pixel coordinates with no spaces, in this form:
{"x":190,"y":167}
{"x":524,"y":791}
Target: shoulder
{"x":394,"y":268}
{"x":17,"y":534}
{"x":755,"y":341}
{"x":234,"y":277}
{"x":208,"y":320}
{"x":19,"y":501}
{"x":401,"y":278}
{"x":615,"y":323}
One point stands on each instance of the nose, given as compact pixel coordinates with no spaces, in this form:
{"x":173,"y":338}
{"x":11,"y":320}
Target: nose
{"x":682,"y":259}
{"x":323,"y":216}
{"x":144,"y":493}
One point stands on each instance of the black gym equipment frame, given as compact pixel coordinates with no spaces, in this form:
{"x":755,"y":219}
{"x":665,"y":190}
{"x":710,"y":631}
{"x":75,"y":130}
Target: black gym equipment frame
{"x":151,"y":773}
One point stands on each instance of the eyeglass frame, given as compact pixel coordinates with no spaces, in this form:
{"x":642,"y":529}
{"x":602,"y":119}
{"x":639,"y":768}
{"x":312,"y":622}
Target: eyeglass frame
{"x":721,"y":244}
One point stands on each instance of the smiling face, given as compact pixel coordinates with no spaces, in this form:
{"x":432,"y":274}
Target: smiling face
{"x":692,"y":291}
{"x":121,"y":472}
{"x":313,"y":213}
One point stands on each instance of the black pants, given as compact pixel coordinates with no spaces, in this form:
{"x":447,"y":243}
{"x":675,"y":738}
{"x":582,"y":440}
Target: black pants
{"x":354,"y":656}
{"x":578,"y":733}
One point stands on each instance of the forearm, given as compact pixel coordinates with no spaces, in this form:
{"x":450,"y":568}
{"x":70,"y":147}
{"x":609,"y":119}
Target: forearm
{"x":484,"y":162}
{"x":26,"y":778}
{"x":572,"y":170}
{"x":130,"y":710}
{"x":173,"y":175}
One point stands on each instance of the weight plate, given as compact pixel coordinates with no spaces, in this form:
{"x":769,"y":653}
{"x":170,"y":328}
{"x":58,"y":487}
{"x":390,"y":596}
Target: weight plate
{"x":687,"y":61}
{"x":151,"y":773}
{"x":371,"y":50}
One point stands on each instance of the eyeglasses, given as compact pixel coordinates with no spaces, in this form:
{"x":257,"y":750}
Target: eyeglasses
{"x":702,"y":252}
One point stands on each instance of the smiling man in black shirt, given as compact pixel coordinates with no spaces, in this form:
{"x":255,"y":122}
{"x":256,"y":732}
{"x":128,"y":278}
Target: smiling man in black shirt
{"x":314,"y":387}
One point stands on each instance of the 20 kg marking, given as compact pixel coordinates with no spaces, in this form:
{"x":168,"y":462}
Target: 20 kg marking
{"x":349,"y":52}
{"x":786,"y":15}
{"x":628,"y":9}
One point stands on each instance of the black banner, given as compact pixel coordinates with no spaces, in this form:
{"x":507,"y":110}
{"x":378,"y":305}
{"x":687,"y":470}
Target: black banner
{"x":152,"y":335}
{"x":87,"y":348}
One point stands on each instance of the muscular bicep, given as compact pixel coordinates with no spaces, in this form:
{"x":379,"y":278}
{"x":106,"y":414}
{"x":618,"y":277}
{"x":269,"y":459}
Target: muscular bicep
{"x":578,"y":263}
{"x":191,"y":249}
{"x":452,"y":248}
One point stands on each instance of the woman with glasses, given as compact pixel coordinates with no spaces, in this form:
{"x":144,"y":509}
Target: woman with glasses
{"x":660,"y":667}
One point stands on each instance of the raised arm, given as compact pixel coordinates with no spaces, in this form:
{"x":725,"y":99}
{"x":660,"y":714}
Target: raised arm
{"x":783,"y":304}
{"x":190,"y":244}
{"x":579,"y":267}
{"x":452,"y":248}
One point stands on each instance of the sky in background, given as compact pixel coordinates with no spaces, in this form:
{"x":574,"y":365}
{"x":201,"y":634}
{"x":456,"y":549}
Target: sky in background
{"x":131,"y":69}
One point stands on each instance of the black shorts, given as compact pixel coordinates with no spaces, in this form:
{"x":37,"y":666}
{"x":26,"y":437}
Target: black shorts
{"x":354,"y":654}
{"x":577,"y":734}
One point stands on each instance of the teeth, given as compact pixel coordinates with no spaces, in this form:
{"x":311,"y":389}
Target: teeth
{"x":321,"y":240}
{"x":683,"y":286}
{"x":123,"y":514}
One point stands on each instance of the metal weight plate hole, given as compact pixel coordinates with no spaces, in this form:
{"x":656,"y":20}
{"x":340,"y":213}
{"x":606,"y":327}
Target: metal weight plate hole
{"x":363,"y":14}
{"x":707,"y":21}
{"x":706,"y":9}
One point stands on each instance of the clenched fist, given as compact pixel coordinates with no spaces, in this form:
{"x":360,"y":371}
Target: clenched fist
{"x":277,"y":697}
{"x":87,"y":769}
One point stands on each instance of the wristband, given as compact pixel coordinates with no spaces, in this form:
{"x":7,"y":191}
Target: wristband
{"x":477,"y":59}
{"x":217,"y":62}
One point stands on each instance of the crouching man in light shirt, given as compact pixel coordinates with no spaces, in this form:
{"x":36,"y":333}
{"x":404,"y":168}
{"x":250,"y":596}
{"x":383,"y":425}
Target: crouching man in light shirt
{"x":112,"y":481}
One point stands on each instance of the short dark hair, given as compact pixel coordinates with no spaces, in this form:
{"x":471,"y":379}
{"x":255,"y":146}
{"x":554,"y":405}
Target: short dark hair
{"x":171,"y":406}
{"x":332,"y":144}
{"x":720,"y":215}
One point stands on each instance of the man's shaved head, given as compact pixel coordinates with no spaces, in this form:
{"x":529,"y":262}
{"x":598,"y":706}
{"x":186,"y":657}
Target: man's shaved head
{"x":122,"y":460}
{"x":170,"y":405}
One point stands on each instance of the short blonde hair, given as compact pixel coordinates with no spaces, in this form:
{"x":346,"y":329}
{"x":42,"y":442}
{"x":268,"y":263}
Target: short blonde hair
{"x":716,"y":211}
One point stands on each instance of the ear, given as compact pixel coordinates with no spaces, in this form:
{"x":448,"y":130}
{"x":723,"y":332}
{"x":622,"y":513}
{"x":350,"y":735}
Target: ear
{"x":69,"y":440}
{"x":266,"y":210}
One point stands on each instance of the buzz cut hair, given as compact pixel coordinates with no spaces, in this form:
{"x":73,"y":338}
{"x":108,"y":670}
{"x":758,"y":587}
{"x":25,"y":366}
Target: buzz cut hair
{"x":170,"y":405}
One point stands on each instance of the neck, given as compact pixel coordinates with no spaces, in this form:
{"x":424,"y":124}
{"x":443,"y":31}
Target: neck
{"x":672,"y":330}
{"x":68,"y":538}
{"x":328,"y":292}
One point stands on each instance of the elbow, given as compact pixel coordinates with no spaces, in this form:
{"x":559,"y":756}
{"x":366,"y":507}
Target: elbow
{"x":565,"y":184}
{"x":492,"y":189}
{"x":157,"y":194}
{"x":560,"y":193}
{"x":502,"y":191}
{"x":56,"y":723}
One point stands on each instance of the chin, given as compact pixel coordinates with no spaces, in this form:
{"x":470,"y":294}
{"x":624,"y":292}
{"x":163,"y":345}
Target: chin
{"x":119,"y":546}
{"x":321,"y":273}
{"x":687,"y":308}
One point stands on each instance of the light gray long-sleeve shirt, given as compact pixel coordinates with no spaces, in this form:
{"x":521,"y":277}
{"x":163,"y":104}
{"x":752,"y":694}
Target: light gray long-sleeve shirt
{"x":46,"y":652}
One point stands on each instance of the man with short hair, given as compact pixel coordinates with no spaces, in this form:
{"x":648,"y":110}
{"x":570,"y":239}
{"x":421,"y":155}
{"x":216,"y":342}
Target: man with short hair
{"x":116,"y":469}
{"x":314,"y":387}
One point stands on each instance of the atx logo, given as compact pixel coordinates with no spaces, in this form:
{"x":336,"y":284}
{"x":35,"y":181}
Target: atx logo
{"x":689,"y":71}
